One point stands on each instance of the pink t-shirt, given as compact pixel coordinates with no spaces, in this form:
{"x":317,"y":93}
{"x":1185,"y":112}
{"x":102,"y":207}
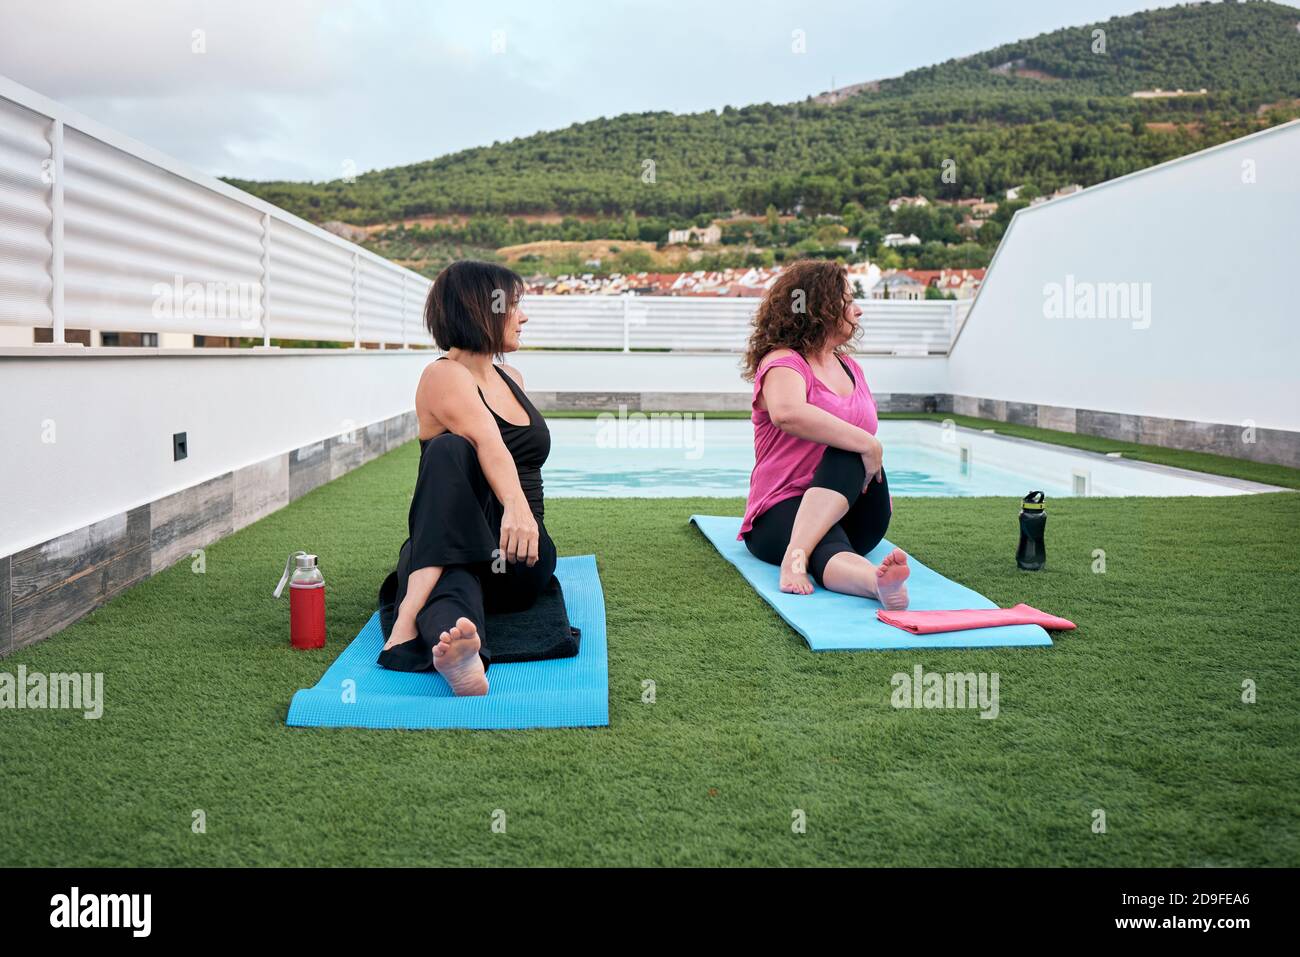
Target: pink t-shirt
{"x":784,"y":463}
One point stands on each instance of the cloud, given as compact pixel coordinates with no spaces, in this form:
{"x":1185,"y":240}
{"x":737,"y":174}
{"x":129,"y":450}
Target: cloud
{"x":295,"y":88}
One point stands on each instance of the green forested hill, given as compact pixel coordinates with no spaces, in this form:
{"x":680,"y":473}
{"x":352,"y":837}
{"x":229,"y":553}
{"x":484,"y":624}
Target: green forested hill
{"x":1247,"y":47}
{"x":1060,"y":112}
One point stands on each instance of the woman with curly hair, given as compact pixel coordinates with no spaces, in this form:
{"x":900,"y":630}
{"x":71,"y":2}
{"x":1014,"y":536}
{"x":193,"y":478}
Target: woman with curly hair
{"x":818,"y":496}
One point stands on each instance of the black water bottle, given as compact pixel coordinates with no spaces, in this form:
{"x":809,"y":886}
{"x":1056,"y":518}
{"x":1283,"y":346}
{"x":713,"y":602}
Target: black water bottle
{"x":1032,"y":553}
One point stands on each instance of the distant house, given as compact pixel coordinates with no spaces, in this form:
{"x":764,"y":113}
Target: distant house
{"x":1014,"y":192}
{"x":959,"y":283}
{"x":710,"y":234}
{"x":1158,"y":93}
{"x":863,"y":278}
{"x":1063,"y":191}
{"x":893,"y":240}
{"x":898,"y":285}
{"x":899,"y":202}
{"x":975,"y":206}
{"x":962,"y":283}
{"x":850,"y":244}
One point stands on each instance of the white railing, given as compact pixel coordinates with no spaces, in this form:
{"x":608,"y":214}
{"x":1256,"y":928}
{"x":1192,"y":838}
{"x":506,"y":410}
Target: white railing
{"x":100,"y":232}
{"x":697,"y":323}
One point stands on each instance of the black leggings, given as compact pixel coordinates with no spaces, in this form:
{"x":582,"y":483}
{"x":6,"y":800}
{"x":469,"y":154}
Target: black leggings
{"x":455,"y":523}
{"x":859,"y":531}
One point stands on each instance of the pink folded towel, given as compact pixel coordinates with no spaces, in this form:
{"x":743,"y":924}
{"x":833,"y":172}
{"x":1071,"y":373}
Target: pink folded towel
{"x":930,"y":622}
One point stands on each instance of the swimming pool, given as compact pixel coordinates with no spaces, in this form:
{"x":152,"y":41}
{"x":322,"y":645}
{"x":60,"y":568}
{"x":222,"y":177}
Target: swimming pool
{"x":681,"y":456}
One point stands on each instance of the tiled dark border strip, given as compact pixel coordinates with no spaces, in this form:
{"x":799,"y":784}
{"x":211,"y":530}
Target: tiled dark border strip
{"x":1275,"y":446}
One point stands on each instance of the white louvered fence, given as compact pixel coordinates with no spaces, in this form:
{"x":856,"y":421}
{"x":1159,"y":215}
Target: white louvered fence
{"x":697,"y":323}
{"x":100,"y":232}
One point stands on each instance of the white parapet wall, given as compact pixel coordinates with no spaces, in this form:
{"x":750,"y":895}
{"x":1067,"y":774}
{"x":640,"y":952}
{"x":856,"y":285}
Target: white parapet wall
{"x":88,"y":433}
{"x":1164,"y":295}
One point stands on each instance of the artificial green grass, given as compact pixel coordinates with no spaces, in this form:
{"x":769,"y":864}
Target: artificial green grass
{"x":1139,"y":713}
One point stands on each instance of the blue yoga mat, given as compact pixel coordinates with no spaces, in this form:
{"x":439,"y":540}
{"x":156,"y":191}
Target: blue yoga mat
{"x":832,"y":622}
{"x":560,"y":693}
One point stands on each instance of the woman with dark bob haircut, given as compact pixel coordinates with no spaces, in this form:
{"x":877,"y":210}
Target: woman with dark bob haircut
{"x":477,"y":541}
{"x":818,"y":496}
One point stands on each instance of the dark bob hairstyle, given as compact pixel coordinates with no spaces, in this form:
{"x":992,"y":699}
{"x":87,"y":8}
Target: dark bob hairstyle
{"x":469,"y":304}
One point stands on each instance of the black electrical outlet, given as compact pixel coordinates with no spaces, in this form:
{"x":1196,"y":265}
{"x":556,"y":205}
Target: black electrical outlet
{"x":180,"y":447}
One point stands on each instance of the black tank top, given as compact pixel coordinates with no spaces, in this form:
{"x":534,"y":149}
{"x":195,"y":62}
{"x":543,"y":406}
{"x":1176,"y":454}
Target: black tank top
{"x":528,"y":445}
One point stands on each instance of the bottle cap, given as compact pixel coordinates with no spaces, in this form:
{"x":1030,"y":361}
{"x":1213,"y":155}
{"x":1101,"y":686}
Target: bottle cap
{"x":289,"y":563}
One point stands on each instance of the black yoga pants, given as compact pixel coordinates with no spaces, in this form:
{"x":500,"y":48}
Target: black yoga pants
{"x":455,"y":523}
{"x":859,"y":531}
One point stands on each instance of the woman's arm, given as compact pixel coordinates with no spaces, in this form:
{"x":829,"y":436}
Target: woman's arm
{"x":785,"y":397}
{"x":448,"y":391}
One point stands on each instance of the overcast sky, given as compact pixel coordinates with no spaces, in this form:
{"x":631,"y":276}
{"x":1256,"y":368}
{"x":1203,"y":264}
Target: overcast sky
{"x":296,"y":89}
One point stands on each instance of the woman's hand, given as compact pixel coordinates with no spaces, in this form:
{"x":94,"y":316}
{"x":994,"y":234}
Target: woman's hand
{"x":519,"y":534}
{"x":872,"y":460}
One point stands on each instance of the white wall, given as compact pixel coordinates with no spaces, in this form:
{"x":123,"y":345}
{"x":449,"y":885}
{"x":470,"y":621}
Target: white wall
{"x":111,"y":418}
{"x":1220,"y":255}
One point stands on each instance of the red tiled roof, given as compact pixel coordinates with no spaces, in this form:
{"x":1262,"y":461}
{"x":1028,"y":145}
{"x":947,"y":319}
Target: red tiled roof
{"x":946,"y":278}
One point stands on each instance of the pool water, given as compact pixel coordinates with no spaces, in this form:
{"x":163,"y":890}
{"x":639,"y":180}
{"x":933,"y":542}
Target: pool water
{"x":683,"y":456}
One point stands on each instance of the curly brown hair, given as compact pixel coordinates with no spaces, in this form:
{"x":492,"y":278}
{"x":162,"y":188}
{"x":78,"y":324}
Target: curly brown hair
{"x":801,"y":311}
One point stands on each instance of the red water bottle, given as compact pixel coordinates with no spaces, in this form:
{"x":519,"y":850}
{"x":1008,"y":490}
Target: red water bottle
{"x":306,"y":601}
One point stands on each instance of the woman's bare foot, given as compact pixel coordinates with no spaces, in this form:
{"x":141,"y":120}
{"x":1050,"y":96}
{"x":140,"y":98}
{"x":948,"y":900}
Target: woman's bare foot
{"x":794,"y":572}
{"x":455,"y":657}
{"x":891,"y":580}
